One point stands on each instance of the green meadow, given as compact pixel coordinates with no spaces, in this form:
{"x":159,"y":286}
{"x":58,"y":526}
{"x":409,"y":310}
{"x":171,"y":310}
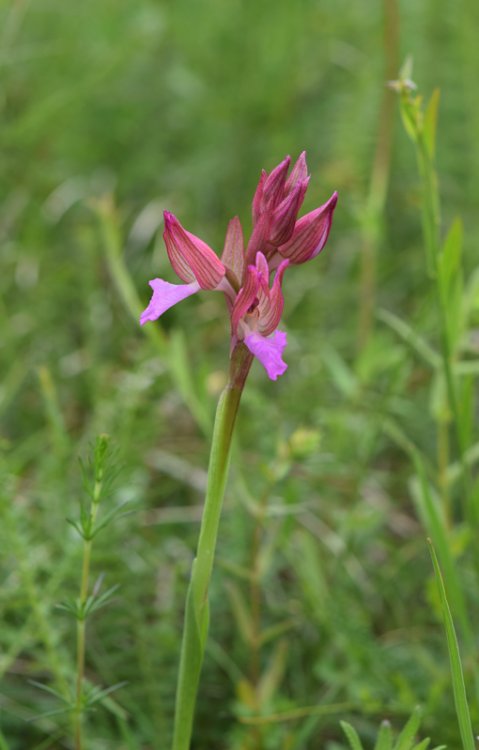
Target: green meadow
{"x":328,"y":614}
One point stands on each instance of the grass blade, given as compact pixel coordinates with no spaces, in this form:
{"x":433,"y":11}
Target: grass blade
{"x":433,"y":521}
{"x":458,"y":685}
{"x":385,"y":737}
{"x":352,"y":735}
{"x":406,"y":738}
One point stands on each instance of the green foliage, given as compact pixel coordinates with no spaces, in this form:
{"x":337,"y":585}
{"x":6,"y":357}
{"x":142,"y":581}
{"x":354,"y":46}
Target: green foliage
{"x":405,"y":741}
{"x":458,"y":685}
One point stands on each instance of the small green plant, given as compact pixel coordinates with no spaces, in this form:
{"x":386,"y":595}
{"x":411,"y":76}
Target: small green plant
{"x":385,"y":740}
{"x":98,"y":474}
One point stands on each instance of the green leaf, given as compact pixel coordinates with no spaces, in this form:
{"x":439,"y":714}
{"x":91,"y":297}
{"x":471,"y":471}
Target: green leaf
{"x":422,"y":745}
{"x":352,"y":735}
{"x":450,"y":260}
{"x":406,"y":738}
{"x":385,"y":738}
{"x":114,"y":513}
{"x":76,"y":526}
{"x":3,"y":742}
{"x":96,"y":602}
{"x":458,"y":685}
{"x":50,"y":690}
{"x":71,"y":606}
{"x":430,"y":122}
{"x":47,"y":714}
{"x":450,"y":277}
{"x":466,"y":408}
{"x":97,"y":694}
{"x":432,"y":518}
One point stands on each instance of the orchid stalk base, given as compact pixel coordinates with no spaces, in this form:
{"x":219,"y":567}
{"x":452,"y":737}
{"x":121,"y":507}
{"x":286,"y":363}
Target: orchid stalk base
{"x":197,"y":608}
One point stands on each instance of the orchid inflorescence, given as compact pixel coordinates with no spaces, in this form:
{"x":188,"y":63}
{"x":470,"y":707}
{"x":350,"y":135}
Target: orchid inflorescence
{"x":278,"y":239}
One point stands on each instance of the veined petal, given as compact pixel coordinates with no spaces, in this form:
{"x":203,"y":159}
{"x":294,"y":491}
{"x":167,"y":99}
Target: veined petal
{"x":274,"y":185}
{"x":247,"y":296}
{"x":271,"y":304}
{"x":191,"y":258}
{"x":310,"y":233}
{"x":259,"y":237}
{"x":269,"y":351}
{"x":233,"y":256}
{"x":263,"y":270}
{"x":298,"y":173}
{"x":284,"y":217}
{"x":258,"y":196}
{"x":165,"y":295}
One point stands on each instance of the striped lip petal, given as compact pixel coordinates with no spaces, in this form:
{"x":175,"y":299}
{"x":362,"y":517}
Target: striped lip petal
{"x":191,"y":258}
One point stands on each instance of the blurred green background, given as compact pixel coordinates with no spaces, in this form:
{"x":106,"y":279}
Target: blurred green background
{"x":111,"y":111}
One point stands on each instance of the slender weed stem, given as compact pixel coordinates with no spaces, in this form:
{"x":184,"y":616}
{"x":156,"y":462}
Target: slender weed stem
{"x":421,"y":127}
{"x":86,"y":602}
{"x":372,"y":225}
{"x":81,"y":620}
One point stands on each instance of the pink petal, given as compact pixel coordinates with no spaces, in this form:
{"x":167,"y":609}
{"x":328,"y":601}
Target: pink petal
{"x":233,"y":256}
{"x":298,"y":173}
{"x":258,"y":196}
{"x":284,"y":217}
{"x":263,"y":269}
{"x":271,"y":304}
{"x":274,"y":185}
{"x":269,"y":351}
{"x":259,"y":237}
{"x":246,"y":297}
{"x":191,"y":258}
{"x":310,"y":233}
{"x":165,"y":295}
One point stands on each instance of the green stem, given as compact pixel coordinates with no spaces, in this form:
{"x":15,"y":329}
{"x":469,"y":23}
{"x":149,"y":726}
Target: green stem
{"x":81,"y":621}
{"x":431,"y":227}
{"x":372,"y":225}
{"x":197,"y":610}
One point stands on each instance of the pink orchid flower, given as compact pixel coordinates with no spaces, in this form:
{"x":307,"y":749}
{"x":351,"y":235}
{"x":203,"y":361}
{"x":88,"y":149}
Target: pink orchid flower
{"x":278,"y":240}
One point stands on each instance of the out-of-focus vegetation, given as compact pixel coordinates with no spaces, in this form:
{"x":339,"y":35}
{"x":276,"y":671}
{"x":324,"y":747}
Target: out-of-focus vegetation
{"x":323,"y":605}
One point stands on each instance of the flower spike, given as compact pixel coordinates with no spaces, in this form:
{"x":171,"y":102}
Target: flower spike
{"x":279,"y":239}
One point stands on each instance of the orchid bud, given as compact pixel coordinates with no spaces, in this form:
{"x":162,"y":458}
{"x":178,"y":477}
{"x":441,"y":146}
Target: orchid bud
{"x":310,"y":233}
{"x":191,"y":258}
